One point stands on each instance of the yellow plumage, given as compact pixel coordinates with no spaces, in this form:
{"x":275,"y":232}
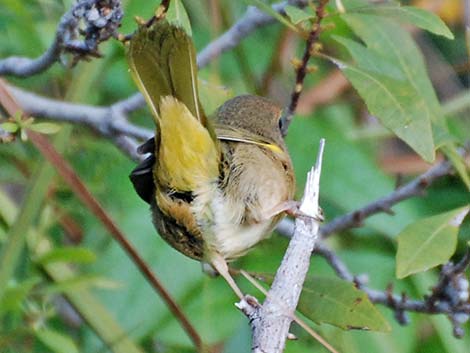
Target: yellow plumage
{"x":188,"y":156}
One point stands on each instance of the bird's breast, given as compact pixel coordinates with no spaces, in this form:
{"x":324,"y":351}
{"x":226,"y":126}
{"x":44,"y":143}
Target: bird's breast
{"x":255,"y":182}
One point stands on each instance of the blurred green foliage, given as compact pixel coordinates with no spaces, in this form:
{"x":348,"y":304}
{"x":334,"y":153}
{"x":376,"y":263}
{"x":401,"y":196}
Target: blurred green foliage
{"x":121,"y":312}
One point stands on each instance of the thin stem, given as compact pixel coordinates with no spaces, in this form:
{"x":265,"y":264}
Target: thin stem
{"x":384,"y":204}
{"x":301,"y":70}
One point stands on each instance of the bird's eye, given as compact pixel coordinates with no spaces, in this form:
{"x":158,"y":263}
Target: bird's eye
{"x":280,"y":124}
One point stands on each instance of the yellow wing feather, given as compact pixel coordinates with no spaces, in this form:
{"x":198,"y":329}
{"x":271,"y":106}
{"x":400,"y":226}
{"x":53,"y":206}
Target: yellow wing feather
{"x":188,"y":156}
{"x":162,"y":61}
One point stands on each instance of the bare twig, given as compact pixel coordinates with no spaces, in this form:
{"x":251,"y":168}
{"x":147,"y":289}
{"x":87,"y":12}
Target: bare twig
{"x":270,"y":322}
{"x":299,"y":321}
{"x":162,"y":9}
{"x":414,"y":188}
{"x":334,"y":261}
{"x":301,"y":70}
{"x":101,"y":19}
{"x":109,"y":121}
{"x":249,"y":22}
{"x":70,"y":177}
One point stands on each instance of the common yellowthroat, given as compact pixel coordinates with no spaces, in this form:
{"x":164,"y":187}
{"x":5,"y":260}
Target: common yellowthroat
{"x":216,"y":186}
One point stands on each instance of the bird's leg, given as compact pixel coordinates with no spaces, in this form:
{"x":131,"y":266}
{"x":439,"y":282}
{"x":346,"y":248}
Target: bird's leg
{"x":219,"y":263}
{"x":292,"y":208}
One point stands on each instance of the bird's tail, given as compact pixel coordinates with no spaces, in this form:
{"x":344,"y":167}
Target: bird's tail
{"x":163,"y":64}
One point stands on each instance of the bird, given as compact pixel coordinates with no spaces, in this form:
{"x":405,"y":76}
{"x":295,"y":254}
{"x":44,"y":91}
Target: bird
{"x":216,"y":185}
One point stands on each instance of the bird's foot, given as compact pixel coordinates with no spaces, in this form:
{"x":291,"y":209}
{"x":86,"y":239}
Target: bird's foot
{"x":292,"y":208}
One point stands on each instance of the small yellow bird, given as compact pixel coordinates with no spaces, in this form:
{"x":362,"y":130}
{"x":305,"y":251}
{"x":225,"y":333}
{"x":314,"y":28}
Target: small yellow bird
{"x":216,"y":186}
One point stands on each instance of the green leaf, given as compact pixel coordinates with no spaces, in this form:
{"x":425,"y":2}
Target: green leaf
{"x":11,"y":250}
{"x":15,"y":295}
{"x":297,"y":15}
{"x":9,"y":127}
{"x":18,"y":116}
{"x":369,"y":60}
{"x":339,"y":303}
{"x":67,"y":254}
{"x":26,"y":122}
{"x":412,"y":110}
{"x":418,"y":17}
{"x":177,"y":15}
{"x":392,"y":102}
{"x":458,"y":162}
{"x":93,"y":310}
{"x":428,"y":242}
{"x":45,"y":128}
{"x":56,"y":341}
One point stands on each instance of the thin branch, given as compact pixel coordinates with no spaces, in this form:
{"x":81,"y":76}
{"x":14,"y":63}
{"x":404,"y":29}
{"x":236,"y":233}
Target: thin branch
{"x":70,"y":177}
{"x":301,"y":70}
{"x":108,"y":121}
{"x":270,"y":322}
{"x":162,"y":9}
{"x":101,"y":18}
{"x":449,"y":296}
{"x":249,"y":22}
{"x":414,"y":188}
{"x":334,"y":261}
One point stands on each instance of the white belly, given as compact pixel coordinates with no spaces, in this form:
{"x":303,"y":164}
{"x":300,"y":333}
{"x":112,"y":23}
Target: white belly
{"x":231,"y":237}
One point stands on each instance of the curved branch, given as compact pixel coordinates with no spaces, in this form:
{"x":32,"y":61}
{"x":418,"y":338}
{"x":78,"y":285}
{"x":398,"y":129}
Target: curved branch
{"x":24,"y":67}
{"x":106,"y":120}
{"x":102,"y":19}
{"x":109,"y":121}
